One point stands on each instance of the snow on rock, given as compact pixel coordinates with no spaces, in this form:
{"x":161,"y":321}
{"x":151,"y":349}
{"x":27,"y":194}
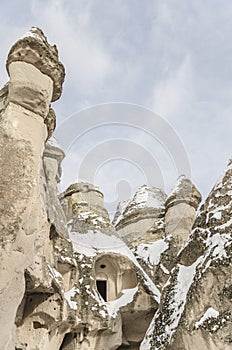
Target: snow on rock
{"x":113,"y":306}
{"x":127,"y":297}
{"x":184,"y":191}
{"x":218,"y":244}
{"x":179,"y":184}
{"x":69,"y":296}
{"x":32,"y":33}
{"x":210,"y":313}
{"x":55,"y":275}
{"x":94,"y":242}
{"x":146,"y":197}
{"x":184,"y":280}
{"x":150,"y":253}
{"x":166,"y":320}
{"x":209,"y":247}
{"x":96,"y":220}
{"x":52,"y":141}
{"x":149,"y":197}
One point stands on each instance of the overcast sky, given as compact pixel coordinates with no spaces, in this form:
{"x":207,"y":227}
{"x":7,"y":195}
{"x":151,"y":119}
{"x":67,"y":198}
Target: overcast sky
{"x":173,"y":58}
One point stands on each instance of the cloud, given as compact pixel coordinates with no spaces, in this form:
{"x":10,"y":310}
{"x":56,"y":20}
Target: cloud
{"x":86,"y":60}
{"x":171,"y":57}
{"x":173,"y":93}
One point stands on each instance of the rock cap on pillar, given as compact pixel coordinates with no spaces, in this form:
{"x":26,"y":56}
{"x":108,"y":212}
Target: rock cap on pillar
{"x":184,"y":192}
{"x":53,"y":150}
{"x":82,"y":187}
{"x":34,"y":48}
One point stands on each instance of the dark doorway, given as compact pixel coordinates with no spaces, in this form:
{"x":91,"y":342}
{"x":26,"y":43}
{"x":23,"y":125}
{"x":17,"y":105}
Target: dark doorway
{"x":101,"y":287}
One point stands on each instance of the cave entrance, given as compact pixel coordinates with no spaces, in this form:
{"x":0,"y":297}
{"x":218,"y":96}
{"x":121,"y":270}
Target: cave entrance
{"x":101,"y":287}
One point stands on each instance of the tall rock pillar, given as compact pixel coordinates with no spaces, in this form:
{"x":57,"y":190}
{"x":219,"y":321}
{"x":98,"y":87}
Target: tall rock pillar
{"x":181,"y":208}
{"x":36,"y":77}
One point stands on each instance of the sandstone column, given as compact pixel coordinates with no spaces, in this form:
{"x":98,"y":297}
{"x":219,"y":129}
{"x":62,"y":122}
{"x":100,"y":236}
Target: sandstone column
{"x":181,"y":208}
{"x":36,"y":77}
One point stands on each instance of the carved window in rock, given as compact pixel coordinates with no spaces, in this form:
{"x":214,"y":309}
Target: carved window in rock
{"x":111,"y":278}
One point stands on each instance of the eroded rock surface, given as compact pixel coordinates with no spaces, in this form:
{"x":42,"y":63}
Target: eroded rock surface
{"x":195,"y":309}
{"x":22,"y":211}
{"x":112,"y":289}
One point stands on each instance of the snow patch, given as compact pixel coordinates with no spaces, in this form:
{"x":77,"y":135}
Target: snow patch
{"x":210,"y":313}
{"x":217,"y":215}
{"x":185,"y":278}
{"x":31,"y":34}
{"x":127,"y":297}
{"x":54,"y":274}
{"x":68,"y":296}
{"x":218,"y":243}
{"x":151,"y":253}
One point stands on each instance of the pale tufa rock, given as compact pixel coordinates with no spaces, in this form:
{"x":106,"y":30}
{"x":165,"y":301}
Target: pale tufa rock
{"x":70,"y":279}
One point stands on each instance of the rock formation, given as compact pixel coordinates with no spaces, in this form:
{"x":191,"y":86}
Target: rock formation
{"x":195,"y":309}
{"x":112,"y":290}
{"x":25,"y":103}
{"x":158,"y":277}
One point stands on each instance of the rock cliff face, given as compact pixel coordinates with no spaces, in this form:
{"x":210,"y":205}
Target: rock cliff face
{"x":158,"y":277}
{"x":195,"y":308}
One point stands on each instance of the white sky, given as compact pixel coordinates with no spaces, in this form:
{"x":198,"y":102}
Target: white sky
{"x":171,"y":57}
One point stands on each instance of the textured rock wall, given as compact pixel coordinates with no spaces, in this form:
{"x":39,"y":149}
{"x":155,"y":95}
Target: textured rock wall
{"x":24,"y":223}
{"x":195,"y":309}
{"x":23,"y":214}
{"x":101,"y":255}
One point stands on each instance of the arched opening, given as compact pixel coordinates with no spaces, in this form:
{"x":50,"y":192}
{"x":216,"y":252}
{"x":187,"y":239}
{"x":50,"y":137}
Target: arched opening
{"x":106,"y":278}
{"x":112,"y":276}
